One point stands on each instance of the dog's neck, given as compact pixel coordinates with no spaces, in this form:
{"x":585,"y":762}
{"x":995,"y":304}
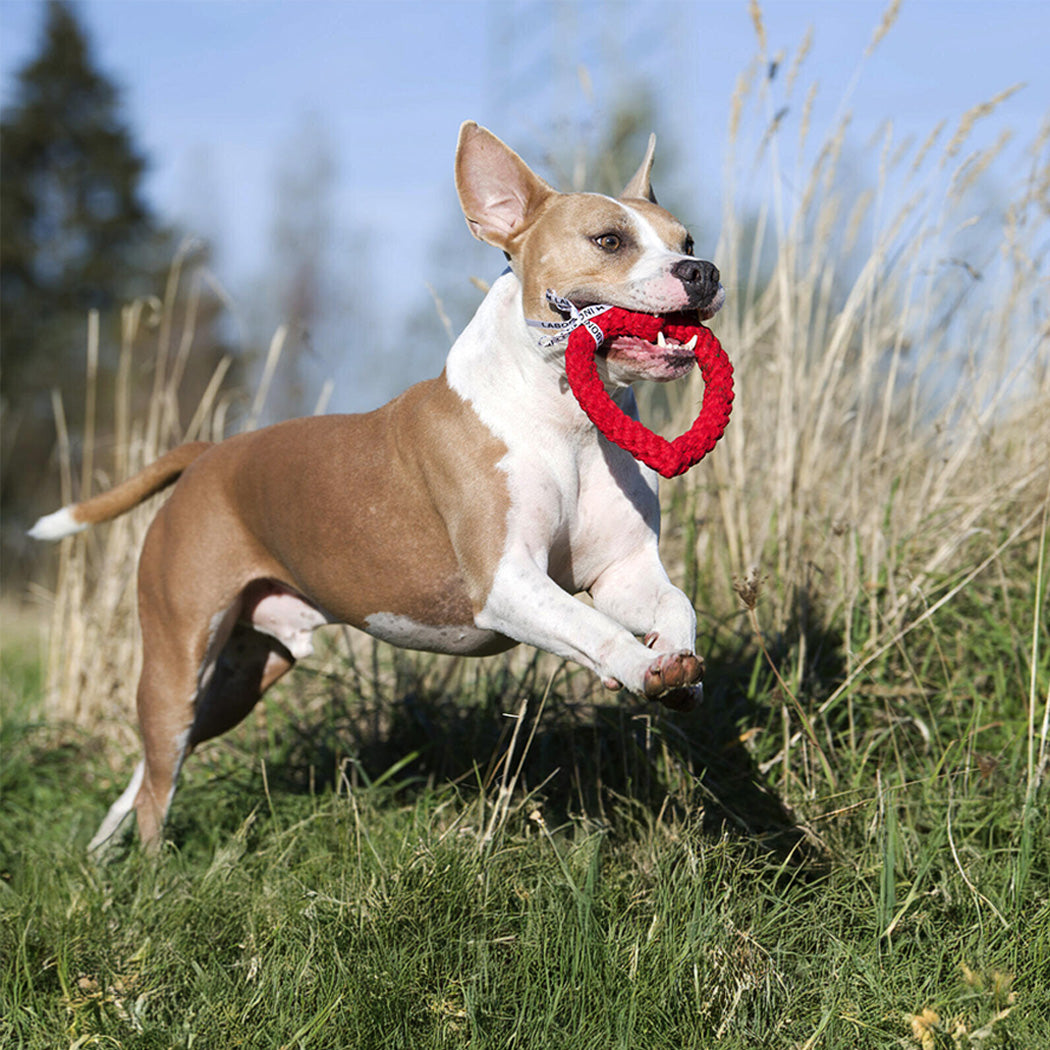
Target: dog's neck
{"x":514,"y":375}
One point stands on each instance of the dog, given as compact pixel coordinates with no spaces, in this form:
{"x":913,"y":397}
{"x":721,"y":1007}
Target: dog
{"x":462,"y":517}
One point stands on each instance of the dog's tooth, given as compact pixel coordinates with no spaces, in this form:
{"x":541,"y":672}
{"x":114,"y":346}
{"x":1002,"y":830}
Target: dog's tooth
{"x":660,"y":341}
{"x":691,"y":345}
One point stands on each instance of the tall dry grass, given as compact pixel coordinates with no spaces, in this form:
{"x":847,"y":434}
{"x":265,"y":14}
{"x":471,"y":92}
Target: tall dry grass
{"x":891,"y":428}
{"x":93,"y":653}
{"x":889,"y":440}
{"x":889,"y":450}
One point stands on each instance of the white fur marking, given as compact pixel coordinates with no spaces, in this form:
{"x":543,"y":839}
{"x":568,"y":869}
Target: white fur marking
{"x":218,"y":632}
{"x":290,"y":620}
{"x":56,"y":526}
{"x":182,"y":743}
{"x":119,"y":810}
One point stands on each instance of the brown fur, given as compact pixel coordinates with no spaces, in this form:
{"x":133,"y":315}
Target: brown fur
{"x":148,"y":482}
{"x":255,"y":488}
{"x":363,"y":547}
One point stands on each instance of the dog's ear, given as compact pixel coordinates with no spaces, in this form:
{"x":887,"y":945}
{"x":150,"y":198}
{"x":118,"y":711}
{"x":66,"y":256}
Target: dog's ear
{"x":640,"y":187}
{"x":498,"y":192}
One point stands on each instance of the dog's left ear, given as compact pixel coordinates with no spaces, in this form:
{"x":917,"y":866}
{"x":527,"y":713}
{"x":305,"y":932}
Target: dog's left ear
{"x":498,"y":192}
{"x":640,"y":187}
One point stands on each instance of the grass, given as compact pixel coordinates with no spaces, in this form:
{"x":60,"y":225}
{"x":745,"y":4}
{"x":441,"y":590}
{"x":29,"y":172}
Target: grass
{"x":344,"y":869}
{"x":353,"y":908}
{"x":848,"y":845}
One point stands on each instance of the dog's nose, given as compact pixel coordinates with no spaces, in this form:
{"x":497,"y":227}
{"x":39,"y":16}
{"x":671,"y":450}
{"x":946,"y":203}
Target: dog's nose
{"x":695,"y":273}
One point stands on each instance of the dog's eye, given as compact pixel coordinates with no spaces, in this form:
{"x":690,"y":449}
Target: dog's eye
{"x":687,"y":248}
{"x":608,"y":242}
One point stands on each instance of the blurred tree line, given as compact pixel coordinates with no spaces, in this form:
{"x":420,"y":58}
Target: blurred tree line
{"x":76,"y":235}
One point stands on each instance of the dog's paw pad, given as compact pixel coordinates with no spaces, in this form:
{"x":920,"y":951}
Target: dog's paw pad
{"x":673,"y":672}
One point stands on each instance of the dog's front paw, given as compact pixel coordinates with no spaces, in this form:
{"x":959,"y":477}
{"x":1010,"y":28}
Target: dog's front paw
{"x":674,"y":679}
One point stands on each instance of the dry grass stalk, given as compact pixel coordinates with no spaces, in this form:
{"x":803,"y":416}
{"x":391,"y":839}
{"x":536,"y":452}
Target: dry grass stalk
{"x":755,"y":11}
{"x":797,"y":62}
{"x":886,"y":421}
{"x":889,"y":16}
{"x":971,"y":116}
{"x":94,"y":654}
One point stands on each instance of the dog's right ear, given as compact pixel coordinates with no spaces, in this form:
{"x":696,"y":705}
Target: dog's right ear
{"x":498,"y":192}
{"x":641,"y":185}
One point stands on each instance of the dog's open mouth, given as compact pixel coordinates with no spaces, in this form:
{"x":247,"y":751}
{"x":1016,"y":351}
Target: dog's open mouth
{"x":656,"y":346}
{"x":647,"y":346}
{"x":661,"y":359}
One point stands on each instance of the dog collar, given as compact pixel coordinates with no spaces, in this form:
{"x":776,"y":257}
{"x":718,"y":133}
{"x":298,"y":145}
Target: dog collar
{"x":588,"y":328}
{"x":577,"y":317}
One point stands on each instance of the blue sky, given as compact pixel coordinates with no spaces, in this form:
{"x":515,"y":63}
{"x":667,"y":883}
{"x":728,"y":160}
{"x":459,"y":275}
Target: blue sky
{"x":215,"y":88}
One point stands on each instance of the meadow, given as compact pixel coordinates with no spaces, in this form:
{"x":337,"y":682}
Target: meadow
{"x":847,"y":845}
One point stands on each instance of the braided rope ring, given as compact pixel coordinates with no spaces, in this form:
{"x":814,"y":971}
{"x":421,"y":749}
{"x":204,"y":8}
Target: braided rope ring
{"x":669,"y":458}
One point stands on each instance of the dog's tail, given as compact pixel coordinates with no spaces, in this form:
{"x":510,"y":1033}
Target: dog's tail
{"x":121,"y":498}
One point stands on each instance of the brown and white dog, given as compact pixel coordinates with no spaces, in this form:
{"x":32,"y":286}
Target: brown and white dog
{"x":462,"y":517}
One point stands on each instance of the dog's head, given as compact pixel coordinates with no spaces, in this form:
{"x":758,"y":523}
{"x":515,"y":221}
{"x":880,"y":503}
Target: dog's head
{"x":626,"y":252}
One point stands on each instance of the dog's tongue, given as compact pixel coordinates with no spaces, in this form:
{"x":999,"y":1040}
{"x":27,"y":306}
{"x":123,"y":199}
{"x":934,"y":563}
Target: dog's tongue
{"x":668,"y":458}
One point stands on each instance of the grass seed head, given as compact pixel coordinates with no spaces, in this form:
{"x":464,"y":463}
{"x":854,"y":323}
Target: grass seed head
{"x":749,"y":588}
{"x":924,"y":1027}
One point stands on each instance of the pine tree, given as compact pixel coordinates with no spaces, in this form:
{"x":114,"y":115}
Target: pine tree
{"x":74,"y":224}
{"x":75,"y":234}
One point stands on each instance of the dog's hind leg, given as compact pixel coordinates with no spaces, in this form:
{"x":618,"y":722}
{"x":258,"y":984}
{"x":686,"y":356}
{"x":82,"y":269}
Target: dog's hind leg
{"x":175,"y":666}
{"x":272,"y":630}
{"x":171,"y":683}
{"x":167,"y":696}
{"x":238,"y":666}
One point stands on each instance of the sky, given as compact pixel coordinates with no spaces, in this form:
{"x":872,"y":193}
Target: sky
{"x":214,"y":90}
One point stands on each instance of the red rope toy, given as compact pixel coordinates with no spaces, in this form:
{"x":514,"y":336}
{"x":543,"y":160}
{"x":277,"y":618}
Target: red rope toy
{"x":589,"y":328}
